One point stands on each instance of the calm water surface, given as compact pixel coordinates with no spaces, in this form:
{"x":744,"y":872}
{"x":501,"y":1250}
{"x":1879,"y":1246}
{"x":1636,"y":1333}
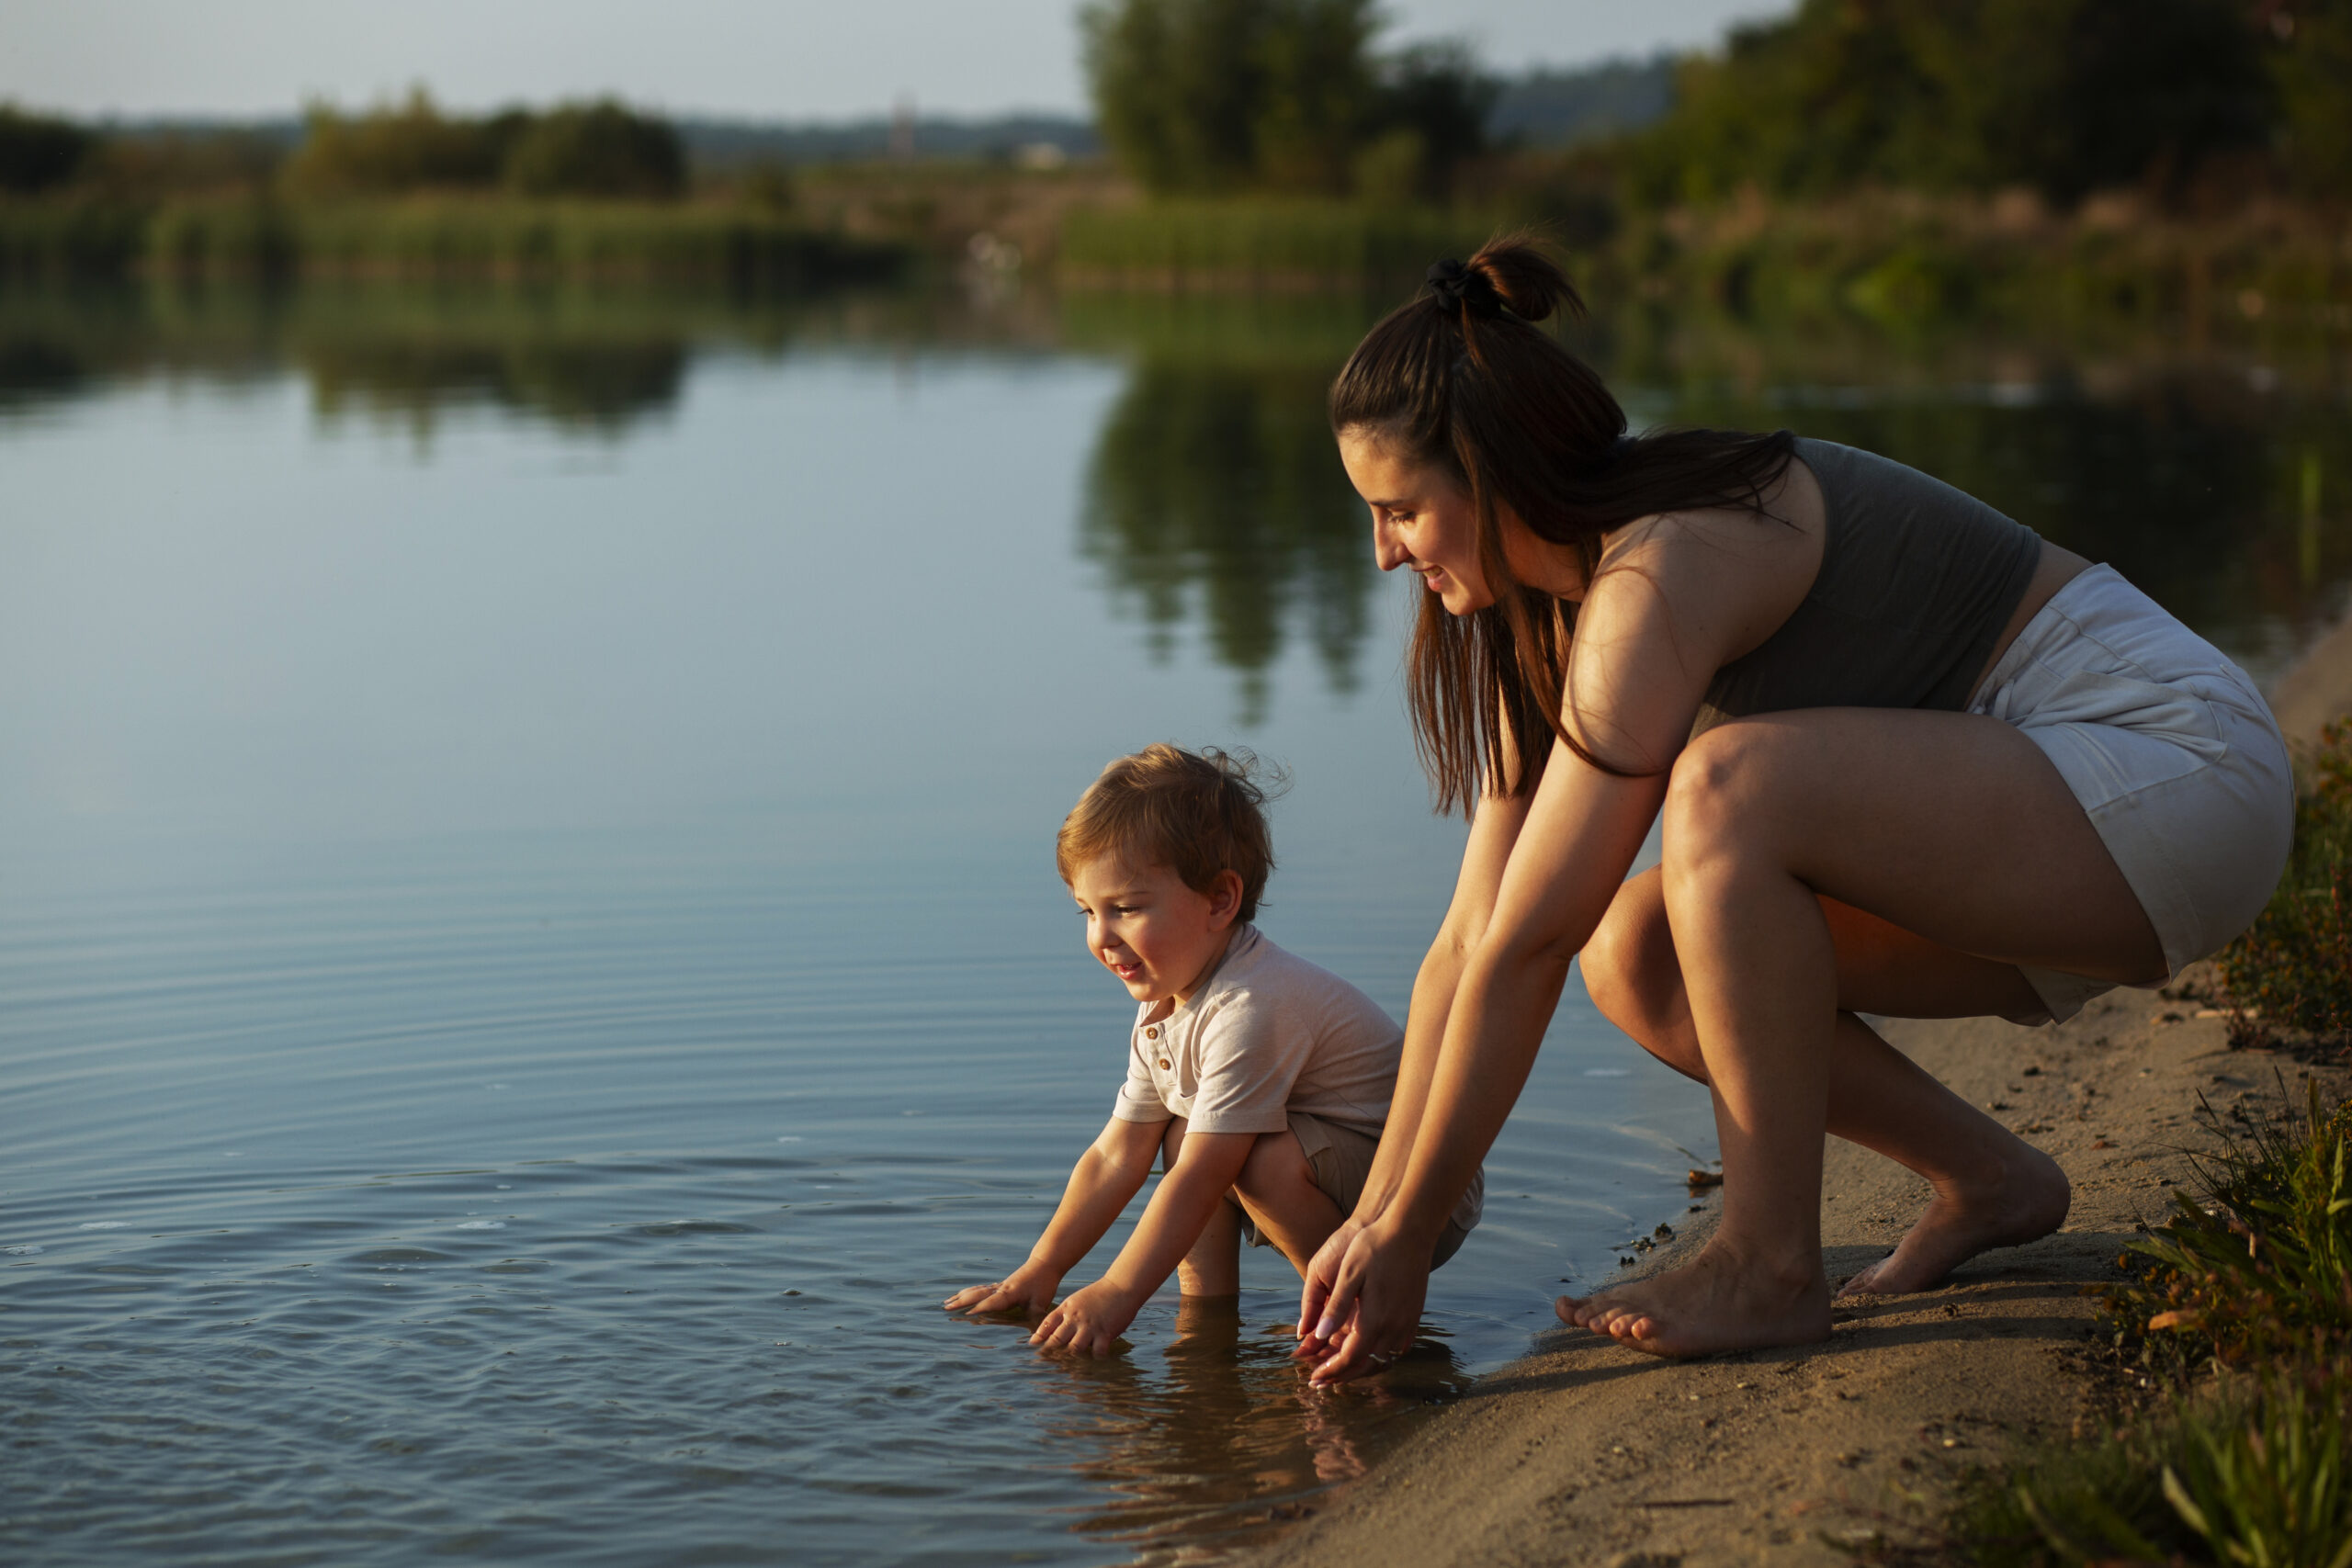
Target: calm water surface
{"x":529,"y":954}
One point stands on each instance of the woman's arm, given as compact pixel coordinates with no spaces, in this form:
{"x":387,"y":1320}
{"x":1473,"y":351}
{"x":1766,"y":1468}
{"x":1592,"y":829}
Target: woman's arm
{"x":1649,"y":638}
{"x":1110,"y":1173}
{"x":1492,"y":832}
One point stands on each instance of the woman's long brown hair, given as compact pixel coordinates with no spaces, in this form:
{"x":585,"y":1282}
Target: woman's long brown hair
{"x":1462,"y":378}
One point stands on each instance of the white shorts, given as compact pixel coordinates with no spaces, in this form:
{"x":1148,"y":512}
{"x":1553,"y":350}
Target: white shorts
{"x":2170,"y":750}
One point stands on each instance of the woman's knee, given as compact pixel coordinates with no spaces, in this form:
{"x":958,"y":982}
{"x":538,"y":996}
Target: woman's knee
{"x":1720,"y":795}
{"x":1630,"y":969}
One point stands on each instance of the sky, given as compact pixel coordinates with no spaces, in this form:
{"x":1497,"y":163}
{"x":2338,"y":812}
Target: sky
{"x":760,"y":59}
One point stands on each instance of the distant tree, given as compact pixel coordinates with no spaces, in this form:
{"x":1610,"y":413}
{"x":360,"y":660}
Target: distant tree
{"x":1433,"y":108}
{"x":597,"y":150}
{"x":1210,"y":96}
{"x":400,"y":147}
{"x":2064,"y":95}
{"x":1178,"y":87}
{"x":2311,"y":60}
{"x":39,"y":152}
{"x":1319,"y":93}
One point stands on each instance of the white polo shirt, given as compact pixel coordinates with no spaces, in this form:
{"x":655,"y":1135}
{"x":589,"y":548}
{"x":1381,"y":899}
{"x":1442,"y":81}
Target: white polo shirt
{"x":1269,"y":1033}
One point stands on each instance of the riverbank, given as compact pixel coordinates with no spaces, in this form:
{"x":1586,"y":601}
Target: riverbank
{"x":1585,"y":1452}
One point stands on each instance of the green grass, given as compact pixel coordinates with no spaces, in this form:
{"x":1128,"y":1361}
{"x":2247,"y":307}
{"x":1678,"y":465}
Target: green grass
{"x":2251,"y":1476}
{"x":2244,"y":1296}
{"x":439,"y":238}
{"x":2291,"y":973}
{"x":1252,"y":244}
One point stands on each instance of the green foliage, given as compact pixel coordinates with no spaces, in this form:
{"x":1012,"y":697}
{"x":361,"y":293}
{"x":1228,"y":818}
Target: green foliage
{"x":2268,"y":1486}
{"x":2248,"y":1476}
{"x":2262,"y":1266}
{"x":70,"y":238}
{"x":1262,"y":243}
{"x":1216,"y":486}
{"x":405,"y":147}
{"x":146,"y":166}
{"x":2255,"y":1471}
{"x":2311,"y":63}
{"x":2292,"y":970}
{"x":1208,"y":96}
{"x":38,"y":152}
{"x":2063,"y":95}
{"x":602,"y":149}
{"x":597,"y":150}
{"x":455,"y":237}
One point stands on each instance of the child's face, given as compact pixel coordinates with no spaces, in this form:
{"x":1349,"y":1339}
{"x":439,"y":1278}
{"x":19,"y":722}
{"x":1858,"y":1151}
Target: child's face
{"x":1159,"y":936}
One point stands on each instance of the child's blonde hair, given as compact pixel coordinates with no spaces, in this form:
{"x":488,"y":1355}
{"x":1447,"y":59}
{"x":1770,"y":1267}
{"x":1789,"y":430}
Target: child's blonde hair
{"x":1197,"y":814}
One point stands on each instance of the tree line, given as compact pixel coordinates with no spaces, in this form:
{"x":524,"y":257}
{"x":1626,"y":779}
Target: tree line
{"x":600,"y":149}
{"x":2064,"y":96}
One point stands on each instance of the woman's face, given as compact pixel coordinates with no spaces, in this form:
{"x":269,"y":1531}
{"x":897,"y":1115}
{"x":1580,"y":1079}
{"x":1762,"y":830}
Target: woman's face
{"x":1421,"y":518}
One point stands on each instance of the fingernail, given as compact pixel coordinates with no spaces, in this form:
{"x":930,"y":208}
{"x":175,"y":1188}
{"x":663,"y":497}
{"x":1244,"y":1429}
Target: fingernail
{"x":1327,"y":1327}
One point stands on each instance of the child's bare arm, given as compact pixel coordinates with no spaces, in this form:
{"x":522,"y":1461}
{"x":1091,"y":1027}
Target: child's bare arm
{"x":1107,"y":1175}
{"x":1092,"y":1318}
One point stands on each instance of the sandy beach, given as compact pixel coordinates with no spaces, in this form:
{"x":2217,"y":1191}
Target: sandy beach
{"x":1585,"y":1452}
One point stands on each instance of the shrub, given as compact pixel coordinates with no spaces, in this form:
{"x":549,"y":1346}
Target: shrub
{"x":2251,"y":1476}
{"x":2292,"y":969}
{"x":38,"y":152}
{"x":405,"y":147}
{"x":2262,"y":1266}
{"x":597,"y":150}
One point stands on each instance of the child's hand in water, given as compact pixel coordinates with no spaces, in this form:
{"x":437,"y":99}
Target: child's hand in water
{"x":1090,"y":1322}
{"x":1027,"y":1289}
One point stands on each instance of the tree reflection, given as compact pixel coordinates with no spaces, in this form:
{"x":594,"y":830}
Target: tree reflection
{"x":595,"y":388}
{"x":1216,"y":490}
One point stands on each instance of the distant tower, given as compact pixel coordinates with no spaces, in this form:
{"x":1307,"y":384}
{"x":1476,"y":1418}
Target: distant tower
{"x":902,"y":127}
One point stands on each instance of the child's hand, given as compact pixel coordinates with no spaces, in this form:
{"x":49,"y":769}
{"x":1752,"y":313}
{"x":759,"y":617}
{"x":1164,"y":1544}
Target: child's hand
{"x":1027,"y":1289}
{"x":1090,"y":1322}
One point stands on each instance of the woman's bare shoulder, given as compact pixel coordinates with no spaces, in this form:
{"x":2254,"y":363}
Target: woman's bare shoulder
{"x":1726,"y":577}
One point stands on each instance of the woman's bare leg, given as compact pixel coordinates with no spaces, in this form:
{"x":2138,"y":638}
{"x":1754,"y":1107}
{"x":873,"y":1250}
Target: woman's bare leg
{"x":1991,"y":1188}
{"x":1952,"y":827}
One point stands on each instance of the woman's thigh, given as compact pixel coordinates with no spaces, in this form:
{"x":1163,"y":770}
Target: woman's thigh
{"x":1636,"y":978}
{"x":1953,"y":830}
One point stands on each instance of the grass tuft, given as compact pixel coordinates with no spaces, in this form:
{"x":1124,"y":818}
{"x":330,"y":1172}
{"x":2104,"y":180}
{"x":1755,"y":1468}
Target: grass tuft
{"x":2250,"y":1280}
{"x":2291,"y":974}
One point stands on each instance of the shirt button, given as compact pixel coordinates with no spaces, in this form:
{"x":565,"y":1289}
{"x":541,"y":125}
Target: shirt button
{"x":1163,"y":1061}
{"x":1152,"y":1032}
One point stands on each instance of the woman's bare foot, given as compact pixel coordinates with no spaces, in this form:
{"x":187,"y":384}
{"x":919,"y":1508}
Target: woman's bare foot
{"x":2025,"y":1201}
{"x":1715,"y":1302}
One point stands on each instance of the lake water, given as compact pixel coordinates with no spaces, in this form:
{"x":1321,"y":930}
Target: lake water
{"x":529,"y":953}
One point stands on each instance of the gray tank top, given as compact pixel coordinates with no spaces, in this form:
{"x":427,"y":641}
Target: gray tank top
{"x":1917,"y":580}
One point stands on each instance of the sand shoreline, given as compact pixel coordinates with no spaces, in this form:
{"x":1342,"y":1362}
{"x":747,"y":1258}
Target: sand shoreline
{"x":1585,"y":1453}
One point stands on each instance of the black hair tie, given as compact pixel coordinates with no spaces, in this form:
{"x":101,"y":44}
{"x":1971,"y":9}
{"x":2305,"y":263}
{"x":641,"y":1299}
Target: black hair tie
{"x":1457,"y":287}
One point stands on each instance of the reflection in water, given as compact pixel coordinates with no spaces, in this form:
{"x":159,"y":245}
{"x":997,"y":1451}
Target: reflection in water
{"x":1215,"y":491}
{"x":1230,"y":1436}
{"x":604,"y":388}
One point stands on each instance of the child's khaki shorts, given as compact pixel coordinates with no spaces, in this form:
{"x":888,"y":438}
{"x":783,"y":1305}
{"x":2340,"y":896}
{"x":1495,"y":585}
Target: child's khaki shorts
{"x":1340,"y":1158}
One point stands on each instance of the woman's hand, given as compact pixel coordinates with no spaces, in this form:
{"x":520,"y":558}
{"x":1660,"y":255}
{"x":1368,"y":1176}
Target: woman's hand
{"x":1028,"y":1289}
{"x":1372,"y":1311}
{"x":1090,"y":1322}
{"x":1316,"y":1329}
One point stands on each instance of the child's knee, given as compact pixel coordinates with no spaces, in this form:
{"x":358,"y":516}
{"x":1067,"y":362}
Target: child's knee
{"x":1275,"y":1163}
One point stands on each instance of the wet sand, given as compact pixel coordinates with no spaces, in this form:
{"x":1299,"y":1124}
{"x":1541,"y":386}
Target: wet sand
{"x":1588,"y":1453}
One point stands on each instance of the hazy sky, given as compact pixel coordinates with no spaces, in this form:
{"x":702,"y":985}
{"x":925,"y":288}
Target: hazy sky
{"x":769,"y":59}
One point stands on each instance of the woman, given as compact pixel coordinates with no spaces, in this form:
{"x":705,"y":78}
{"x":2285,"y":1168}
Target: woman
{"x":1912,"y":761}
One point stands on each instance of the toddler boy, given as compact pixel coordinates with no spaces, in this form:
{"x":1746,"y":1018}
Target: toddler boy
{"x":1257,"y":1080}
